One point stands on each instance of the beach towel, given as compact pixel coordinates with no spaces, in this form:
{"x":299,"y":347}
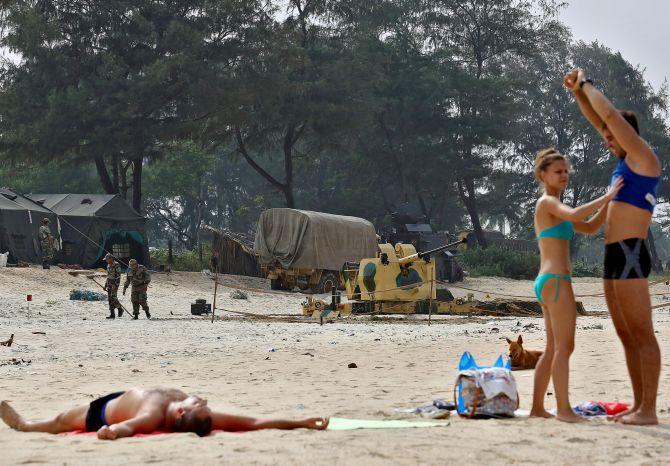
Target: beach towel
{"x":336,"y":423}
{"x":600,"y":408}
{"x":484,"y":392}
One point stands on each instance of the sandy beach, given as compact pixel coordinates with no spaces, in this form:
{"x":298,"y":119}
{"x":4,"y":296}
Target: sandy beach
{"x":287,"y":365}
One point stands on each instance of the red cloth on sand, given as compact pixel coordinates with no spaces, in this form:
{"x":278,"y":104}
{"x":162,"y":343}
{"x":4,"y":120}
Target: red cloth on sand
{"x":613,"y":408}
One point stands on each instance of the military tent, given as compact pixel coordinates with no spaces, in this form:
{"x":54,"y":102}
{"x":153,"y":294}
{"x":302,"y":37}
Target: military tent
{"x":20,"y":220}
{"x":94,"y":223}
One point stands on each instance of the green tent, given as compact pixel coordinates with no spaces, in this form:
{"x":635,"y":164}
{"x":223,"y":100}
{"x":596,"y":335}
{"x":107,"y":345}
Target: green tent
{"x":94,"y":223}
{"x":20,"y":220}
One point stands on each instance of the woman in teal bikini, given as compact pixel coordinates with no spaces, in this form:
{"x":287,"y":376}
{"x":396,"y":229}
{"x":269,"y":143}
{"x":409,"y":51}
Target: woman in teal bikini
{"x":555,"y":223}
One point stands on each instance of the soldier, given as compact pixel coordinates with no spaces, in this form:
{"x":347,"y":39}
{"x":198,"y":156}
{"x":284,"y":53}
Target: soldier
{"x":47,"y":243}
{"x":139,"y":276}
{"x":112,"y":285}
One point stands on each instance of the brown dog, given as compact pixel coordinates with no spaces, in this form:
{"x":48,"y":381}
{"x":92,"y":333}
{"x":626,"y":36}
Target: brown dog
{"x":521,"y":358}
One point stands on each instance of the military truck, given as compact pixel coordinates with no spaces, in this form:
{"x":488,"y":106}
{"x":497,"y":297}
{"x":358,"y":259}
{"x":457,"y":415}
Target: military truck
{"x":410,"y":226}
{"x":304,"y":249}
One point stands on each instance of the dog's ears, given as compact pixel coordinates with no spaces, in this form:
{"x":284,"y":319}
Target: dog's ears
{"x":508,"y":340}
{"x":519,"y":340}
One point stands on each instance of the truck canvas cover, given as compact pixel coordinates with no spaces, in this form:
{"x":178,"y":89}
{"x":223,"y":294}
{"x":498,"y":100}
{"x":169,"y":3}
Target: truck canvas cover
{"x":313,"y":240}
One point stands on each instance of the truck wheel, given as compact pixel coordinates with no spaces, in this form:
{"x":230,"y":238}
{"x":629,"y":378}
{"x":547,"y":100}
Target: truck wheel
{"x":327,"y":281}
{"x":275,"y":284}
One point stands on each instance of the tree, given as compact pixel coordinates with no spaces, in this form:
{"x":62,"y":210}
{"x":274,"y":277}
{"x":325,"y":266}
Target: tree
{"x":108,"y":81}
{"x":296,"y":94}
{"x":180,"y":191}
{"x":483,"y":35}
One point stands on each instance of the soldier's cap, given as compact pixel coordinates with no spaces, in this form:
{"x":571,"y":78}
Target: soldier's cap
{"x":132,"y":262}
{"x":46,"y":220}
{"x":108,"y":256}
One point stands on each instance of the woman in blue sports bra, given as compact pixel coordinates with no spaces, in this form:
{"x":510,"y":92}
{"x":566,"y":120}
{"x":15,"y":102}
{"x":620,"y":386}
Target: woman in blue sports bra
{"x":627,"y":262}
{"x":555,"y":224}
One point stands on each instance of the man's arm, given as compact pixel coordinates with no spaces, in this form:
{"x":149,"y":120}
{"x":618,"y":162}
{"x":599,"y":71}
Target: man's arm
{"x":636,"y":147}
{"x":588,"y":111}
{"x":143,"y":423}
{"x":569,"y":81}
{"x":232,"y":423}
{"x":127,"y":282}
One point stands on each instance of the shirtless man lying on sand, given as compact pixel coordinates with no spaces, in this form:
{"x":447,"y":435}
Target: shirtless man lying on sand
{"x":144,"y":410}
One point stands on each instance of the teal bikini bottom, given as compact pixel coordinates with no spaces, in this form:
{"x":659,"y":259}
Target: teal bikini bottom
{"x":544,"y":278}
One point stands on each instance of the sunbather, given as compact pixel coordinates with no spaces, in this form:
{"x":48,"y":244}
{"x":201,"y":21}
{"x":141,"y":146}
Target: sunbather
{"x":145,"y":410}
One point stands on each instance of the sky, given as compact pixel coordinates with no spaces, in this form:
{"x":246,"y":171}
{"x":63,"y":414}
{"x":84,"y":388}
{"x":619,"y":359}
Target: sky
{"x":639,"y":29}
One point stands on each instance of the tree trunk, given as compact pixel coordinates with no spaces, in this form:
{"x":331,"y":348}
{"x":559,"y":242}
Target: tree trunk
{"x":288,"y":195}
{"x":470,"y":204}
{"x":106,"y":181}
{"x":115,"y":172}
{"x":124,"y":181}
{"x":655,"y":261}
{"x":289,"y":141}
{"x":137,"y":184}
{"x":290,"y":138}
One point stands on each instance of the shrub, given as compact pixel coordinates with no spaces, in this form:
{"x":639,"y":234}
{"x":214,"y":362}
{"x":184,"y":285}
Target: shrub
{"x":187,"y":261}
{"x":581,"y":268}
{"x":496,"y":262}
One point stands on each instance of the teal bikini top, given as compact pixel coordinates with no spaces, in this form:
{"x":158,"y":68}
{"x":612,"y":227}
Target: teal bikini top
{"x":563,"y":230}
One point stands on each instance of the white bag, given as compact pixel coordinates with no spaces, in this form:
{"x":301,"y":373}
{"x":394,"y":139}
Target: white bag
{"x":3,"y":259}
{"x":486,"y":392}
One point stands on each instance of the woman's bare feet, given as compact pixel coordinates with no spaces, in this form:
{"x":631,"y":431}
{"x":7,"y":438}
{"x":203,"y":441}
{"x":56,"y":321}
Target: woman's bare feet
{"x":570,"y":417}
{"x":10,"y":416}
{"x":540,"y":413}
{"x":639,"y":418}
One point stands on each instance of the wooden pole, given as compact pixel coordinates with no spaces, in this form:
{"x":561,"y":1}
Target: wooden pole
{"x":216,"y":284}
{"x":430,"y":301}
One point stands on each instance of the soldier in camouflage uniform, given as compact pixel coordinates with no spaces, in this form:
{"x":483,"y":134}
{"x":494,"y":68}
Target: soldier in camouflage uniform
{"x":47,"y":243}
{"x":112,"y":285}
{"x":139,"y":276}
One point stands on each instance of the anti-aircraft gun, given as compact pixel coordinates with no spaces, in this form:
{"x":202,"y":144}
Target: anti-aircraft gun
{"x":398,"y":280}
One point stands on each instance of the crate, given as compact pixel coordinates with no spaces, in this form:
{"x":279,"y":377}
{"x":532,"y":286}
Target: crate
{"x":199,"y":309}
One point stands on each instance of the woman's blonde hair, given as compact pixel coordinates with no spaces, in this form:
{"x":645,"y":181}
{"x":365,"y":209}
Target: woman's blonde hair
{"x":544,"y":159}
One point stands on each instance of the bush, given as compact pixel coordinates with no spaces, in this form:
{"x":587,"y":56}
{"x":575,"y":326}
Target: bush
{"x":581,"y":268}
{"x":187,"y":261}
{"x":496,"y":262}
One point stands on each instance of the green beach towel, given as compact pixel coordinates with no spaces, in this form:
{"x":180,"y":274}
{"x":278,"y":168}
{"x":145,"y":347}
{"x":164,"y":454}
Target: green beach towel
{"x":338,"y":423}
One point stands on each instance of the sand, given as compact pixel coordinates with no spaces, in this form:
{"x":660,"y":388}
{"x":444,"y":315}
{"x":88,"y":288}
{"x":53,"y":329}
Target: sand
{"x":292,"y":367}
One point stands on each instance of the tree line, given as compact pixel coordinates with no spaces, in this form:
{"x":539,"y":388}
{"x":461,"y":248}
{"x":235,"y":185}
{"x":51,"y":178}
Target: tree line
{"x":208,"y":111}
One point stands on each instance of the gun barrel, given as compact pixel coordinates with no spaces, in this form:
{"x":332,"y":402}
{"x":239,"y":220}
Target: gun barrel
{"x":421,"y":255}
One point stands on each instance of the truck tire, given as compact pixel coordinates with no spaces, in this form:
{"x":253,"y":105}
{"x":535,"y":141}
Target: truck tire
{"x":326,"y":282}
{"x":275,"y":284}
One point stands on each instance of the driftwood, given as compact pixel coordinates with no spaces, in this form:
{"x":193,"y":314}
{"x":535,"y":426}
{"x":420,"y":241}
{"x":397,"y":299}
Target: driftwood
{"x":76,"y":273}
{"x":8,"y":342}
{"x":516,"y":308}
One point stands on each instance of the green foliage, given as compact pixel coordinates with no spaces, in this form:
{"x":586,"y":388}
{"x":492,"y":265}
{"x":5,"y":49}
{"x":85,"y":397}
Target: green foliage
{"x":496,"y":262}
{"x":52,"y":177}
{"x":186,"y":261}
{"x":582,"y":268}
